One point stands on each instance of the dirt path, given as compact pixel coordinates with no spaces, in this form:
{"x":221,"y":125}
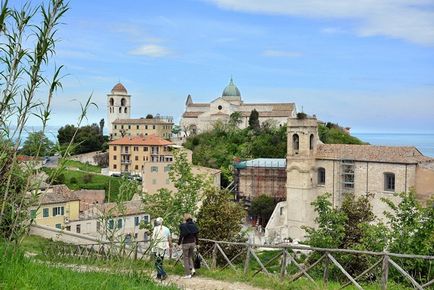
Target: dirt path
{"x":195,"y":283}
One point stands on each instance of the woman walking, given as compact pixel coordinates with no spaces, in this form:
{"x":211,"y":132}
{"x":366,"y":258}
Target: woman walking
{"x":188,"y":239}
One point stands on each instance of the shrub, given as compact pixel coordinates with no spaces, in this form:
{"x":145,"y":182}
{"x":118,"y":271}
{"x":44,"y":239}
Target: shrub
{"x":87,"y":178}
{"x":73,"y":180}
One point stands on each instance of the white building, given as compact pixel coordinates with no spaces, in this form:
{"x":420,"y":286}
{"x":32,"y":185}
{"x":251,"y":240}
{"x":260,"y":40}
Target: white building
{"x":201,"y":116}
{"x":118,"y":105}
{"x":314,"y":168}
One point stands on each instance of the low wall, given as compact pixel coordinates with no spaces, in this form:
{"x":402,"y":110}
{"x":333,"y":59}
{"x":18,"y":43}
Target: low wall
{"x":61,"y":235}
{"x":86,"y":157}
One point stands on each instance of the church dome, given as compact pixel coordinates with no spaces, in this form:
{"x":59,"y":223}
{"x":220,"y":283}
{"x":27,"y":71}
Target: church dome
{"x":231,"y":90}
{"x":119,"y":88}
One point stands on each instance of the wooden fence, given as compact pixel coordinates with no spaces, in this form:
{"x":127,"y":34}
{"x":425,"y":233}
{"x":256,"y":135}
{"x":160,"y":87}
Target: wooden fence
{"x":285,"y":254}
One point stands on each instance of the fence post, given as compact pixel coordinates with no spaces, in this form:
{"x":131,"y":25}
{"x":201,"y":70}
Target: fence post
{"x":283,"y":265}
{"x":136,"y":250}
{"x":326,"y":269}
{"x":247,"y":261}
{"x":214,"y":257}
{"x":385,"y":271}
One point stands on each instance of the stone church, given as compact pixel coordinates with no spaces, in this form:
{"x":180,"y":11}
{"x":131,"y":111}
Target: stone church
{"x":201,"y":116}
{"x":314,"y":168}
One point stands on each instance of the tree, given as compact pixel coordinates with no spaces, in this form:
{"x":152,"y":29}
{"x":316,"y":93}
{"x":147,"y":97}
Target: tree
{"x":172,"y":205}
{"x":176,"y":129}
{"x":219,"y":218}
{"x":262,"y":207}
{"x":37,"y":144}
{"x":235,"y":119}
{"x":149,"y":116}
{"x":65,"y":134}
{"x":101,"y":126}
{"x":254,"y":120}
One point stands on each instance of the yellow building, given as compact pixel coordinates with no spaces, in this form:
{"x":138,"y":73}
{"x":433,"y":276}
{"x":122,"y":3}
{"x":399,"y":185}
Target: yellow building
{"x":131,"y":153}
{"x":159,"y":126}
{"x":57,"y":207}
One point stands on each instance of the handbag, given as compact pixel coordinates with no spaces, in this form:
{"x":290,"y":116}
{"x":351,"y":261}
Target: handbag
{"x":197,"y":261}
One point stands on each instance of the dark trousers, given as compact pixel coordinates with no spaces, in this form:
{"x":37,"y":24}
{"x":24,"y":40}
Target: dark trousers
{"x":159,"y":257}
{"x":187,"y":253}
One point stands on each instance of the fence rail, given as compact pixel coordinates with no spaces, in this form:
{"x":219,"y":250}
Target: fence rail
{"x":284,"y":255}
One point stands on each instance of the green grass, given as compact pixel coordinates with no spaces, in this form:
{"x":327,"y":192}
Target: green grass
{"x":83,"y":166}
{"x":19,"y":272}
{"x":76,"y":180}
{"x":35,"y":244}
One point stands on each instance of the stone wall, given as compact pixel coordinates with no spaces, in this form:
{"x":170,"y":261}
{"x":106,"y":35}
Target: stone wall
{"x":61,"y":235}
{"x":86,"y":157}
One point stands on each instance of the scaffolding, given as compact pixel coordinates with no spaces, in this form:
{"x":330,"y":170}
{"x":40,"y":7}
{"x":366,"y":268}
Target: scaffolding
{"x":260,"y":176}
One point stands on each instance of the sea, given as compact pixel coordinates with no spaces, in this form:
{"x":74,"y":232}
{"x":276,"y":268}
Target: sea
{"x":423,"y":142}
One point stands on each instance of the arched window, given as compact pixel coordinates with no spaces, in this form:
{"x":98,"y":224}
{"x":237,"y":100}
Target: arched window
{"x":311,"y":142}
{"x":295,"y":142}
{"x":112,"y":102}
{"x":120,"y":110}
{"x":123,"y":102}
{"x":125,"y":110}
{"x":321,"y":175}
{"x":389,"y":181}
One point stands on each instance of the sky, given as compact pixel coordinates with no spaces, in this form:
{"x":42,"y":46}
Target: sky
{"x":365,"y":64}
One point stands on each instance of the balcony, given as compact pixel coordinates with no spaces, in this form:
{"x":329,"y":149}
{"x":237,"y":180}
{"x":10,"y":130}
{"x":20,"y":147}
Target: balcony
{"x":125,"y":161}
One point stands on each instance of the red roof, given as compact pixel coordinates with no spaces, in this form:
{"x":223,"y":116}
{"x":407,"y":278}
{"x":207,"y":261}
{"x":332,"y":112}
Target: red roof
{"x":119,"y":88}
{"x":150,"y":140}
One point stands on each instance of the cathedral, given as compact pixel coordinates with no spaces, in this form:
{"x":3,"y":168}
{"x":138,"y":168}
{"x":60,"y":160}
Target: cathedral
{"x":199,"y":117}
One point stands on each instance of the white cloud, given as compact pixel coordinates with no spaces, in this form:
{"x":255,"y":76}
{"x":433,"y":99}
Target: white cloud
{"x":281,"y":53}
{"x":151,"y":50}
{"x":411,"y":20}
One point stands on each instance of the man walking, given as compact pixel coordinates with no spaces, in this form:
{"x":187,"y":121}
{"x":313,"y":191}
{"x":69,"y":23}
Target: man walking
{"x":161,"y":241}
{"x":188,"y":232}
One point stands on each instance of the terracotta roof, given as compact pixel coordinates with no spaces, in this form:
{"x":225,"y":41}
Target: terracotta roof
{"x":390,"y":154}
{"x":119,"y":88}
{"x":191,"y":114}
{"x":57,"y":194}
{"x":24,"y":158}
{"x":149,"y":140}
{"x":89,"y":197}
{"x":198,"y":105}
{"x":270,"y":114}
{"x":142,"y":121}
{"x":128,"y":208}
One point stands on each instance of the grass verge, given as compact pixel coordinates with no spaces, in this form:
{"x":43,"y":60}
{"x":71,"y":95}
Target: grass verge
{"x":83,"y":166}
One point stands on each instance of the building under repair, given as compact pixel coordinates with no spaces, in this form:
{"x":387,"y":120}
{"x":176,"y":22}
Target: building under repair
{"x":261,"y":176}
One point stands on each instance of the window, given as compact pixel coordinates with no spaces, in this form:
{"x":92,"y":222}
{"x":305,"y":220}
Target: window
{"x":137,"y":127}
{"x":123,"y":102}
{"x":45,"y":212}
{"x":145,"y":148}
{"x":122,"y":126}
{"x":119,"y":223}
{"x":114,"y":157}
{"x":59,"y":226}
{"x":146,"y":219}
{"x":78,"y":228}
{"x":114,"y":166}
{"x":136,"y":167}
{"x":129,"y":126}
{"x":112,"y":102}
{"x":136,"y":158}
{"x":111,"y":224}
{"x":68,"y":228}
{"x":389,"y":181}
{"x":59,"y":210}
{"x":154,"y":169}
{"x":348,"y":174}
{"x":321,"y":175}
{"x":281,"y":211}
{"x":311,"y":142}
{"x":295,"y":142}
{"x":167,"y":168}
{"x":153,"y":127}
{"x":135,"y":235}
{"x":114,"y":148}
{"x":136,"y":221}
{"x":120,"y":110}
{"x":154,"y":181}
{"x":116,"y":128}
{"x":33,"y":214}
{"x":146,"y":127}
{"x":125,"y":110}
{"x":219,"y":107}
{"x":135,"y":148}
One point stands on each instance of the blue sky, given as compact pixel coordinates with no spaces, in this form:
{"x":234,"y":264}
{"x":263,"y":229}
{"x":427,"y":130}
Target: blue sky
{"x":364,"y":64}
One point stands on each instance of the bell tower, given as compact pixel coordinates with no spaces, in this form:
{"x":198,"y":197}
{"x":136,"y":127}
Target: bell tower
{"x":300,"y":167}
{"x":118,"y":105}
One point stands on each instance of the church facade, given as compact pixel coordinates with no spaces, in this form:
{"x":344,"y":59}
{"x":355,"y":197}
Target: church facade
{"x":199,"y":117}
{"x":314,"y":168}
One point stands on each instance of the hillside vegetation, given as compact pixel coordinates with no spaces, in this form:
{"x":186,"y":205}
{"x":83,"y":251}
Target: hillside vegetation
{"x":219,"y":147}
